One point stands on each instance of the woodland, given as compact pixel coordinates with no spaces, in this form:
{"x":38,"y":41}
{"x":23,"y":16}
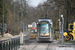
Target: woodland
{"x":27,"y":14}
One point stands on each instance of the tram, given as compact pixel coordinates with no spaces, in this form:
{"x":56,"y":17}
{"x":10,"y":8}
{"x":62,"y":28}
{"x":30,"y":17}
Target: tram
{"x":44,"y":30}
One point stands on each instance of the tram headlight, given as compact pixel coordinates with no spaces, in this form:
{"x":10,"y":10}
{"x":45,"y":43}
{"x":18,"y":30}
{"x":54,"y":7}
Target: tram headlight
{"x":47,"y":34}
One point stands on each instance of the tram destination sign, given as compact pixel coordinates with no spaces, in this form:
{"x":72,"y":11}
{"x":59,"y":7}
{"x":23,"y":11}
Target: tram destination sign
{"x":44,"y":22}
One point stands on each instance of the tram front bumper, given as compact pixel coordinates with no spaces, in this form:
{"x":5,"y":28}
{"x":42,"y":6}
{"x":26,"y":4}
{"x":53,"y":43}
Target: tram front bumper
{"x":44,"y":39}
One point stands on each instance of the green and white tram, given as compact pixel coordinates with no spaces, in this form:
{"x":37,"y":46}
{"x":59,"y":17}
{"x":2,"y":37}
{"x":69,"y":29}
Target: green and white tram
{"x":44,"y":30}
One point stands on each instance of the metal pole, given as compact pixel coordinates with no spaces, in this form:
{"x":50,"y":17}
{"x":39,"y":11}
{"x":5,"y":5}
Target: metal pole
{"x":59,"y":24}
{"x":67,"y":21}
{"x":14,"y":21}
{"x":62,"y":29}
{"x":59,"y":30}
{"x":3,"y":21}
{"x":21,"y":16}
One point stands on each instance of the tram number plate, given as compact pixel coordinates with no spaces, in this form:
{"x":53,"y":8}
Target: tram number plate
{"x":44,"y":22}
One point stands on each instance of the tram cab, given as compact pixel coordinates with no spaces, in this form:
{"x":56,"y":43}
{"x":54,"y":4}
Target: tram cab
{"x":44,"y":30}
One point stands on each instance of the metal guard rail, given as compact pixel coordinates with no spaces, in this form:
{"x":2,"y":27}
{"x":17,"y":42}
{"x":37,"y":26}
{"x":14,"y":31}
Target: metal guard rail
{"x":10,"y":44}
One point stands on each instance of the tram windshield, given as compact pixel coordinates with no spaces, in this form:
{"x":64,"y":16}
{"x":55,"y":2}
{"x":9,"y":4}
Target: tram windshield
{"x":44,"y":28}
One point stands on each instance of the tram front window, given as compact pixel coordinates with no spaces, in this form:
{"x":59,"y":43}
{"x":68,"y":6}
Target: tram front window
{"x":44,"y":28}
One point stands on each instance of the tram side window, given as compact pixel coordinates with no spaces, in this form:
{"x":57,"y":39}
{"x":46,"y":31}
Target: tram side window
{"x":38,"y":28}
{"x":52,"y":30}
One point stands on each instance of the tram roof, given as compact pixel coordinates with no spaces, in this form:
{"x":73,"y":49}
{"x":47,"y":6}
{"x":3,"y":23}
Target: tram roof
{"x":45,"y":20}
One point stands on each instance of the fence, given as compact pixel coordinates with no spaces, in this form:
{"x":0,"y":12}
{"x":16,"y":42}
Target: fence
{"x":10,"y":44}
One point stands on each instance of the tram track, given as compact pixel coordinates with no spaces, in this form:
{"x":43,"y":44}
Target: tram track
{"x":42,"y":44}
{"x":34,"y":46}
{"x":47,"y":46}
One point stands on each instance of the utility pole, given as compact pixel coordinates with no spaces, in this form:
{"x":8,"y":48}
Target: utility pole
{"x":22,"y":15}
{"x":22,"y":24}
{"x":3,"y":21}
{"x":67,"y":21}
{"x":14,"y":17}
{"x":62,"y":28}
{"x":25,"y":14}
{"x":59,"y":24}
{"x":14,"y":20}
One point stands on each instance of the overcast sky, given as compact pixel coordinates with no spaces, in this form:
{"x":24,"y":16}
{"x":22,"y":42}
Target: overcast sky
{"x":36,"y":2}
